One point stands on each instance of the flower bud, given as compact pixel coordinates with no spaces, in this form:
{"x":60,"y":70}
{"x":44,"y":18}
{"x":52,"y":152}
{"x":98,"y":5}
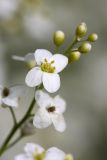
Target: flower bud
{"x":59,"y":38}
{"x":93,"y":37}
{"x":74,"y":56}
{"x":81,"y":30}
{"x":68,"y":157}
{"x":85,"y":47}
{"x":31,"y":64}
{"x":28,"y":128}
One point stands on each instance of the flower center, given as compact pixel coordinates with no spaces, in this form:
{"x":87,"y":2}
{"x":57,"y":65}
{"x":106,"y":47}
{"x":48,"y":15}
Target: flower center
{"x":5,"y":92}
{"x":51,"y":109}
{"x":39,"y":156}
{"x":47,"y":66}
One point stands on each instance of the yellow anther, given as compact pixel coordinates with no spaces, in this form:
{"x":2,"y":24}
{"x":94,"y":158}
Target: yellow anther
{"x":47,"y":66}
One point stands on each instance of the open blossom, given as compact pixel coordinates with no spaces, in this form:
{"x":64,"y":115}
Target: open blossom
{"x":46,"y":71}
{"x":36,"y":152}
{"x":50,"y":111}
{"x":29,"y":59}
{"x":10,"y":96}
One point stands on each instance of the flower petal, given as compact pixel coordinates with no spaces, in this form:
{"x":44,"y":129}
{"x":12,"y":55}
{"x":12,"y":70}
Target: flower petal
{"x":54,"y":154}
{"x":34,"y":77}
{"x":59,"y":122}
{"x":60,"y":104}
{"x":60,"y":62}
{"x":43,"y":99}
{"x":30,"y":57}
{"x":51,"y":82}
{"x":17,"y":91}
{"x":31,"y":149}
{"x":23,"y":157}
{"x":41,"y":54}
{"x":12,"y":102}
{"x":42,"y":119}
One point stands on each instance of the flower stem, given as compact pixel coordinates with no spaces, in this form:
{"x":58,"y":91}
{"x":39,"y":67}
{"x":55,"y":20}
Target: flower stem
{"x":13,"y":115}
{"x":16,"y":127}
{"x":75,"y":40}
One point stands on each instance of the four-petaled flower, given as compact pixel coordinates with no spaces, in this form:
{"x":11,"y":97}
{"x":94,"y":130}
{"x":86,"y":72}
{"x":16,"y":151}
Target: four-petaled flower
{"x":46,"y":71}
{"x":50,"y":111}
{"x":36,"y":152}
{"x":10,"y":96}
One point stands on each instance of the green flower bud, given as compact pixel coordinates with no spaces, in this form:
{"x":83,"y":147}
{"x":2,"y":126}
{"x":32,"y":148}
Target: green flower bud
{"x":81,"y":30}
{"x":59,"y":38}
{"x":31,"y":64}
{"x":68,"y":157}
{"x":85,"y":47}
{"x":93,"y":37}
{"x":74,"y":56}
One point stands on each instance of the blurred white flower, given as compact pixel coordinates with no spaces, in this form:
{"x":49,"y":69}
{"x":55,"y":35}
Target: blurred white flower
{"x":50,"y":111}
{"x":46,"y":71}
{"x":8,"y":7}
{"x":36,"y":152}
{"x":32,"y":152}
{"x":11,"y":96}
{"x":29,"y":59}
{"x":38,"y":26}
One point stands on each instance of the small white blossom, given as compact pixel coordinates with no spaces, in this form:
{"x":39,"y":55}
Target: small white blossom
{"x":10,"y":96}
{"x":46,"y":71}
{"x":36,"y":152}
{"x":32,"y":152}
{"x":50,"y":111}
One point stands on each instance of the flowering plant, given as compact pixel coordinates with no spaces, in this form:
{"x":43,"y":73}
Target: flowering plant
{"x":45,"y":68}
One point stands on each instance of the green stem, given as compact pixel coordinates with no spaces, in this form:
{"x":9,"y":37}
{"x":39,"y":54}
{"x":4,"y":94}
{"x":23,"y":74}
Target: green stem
{"x":13,"y":115}
{"x":16,"y":127}
{"x":71,"y":45}
{"x":14,"y":142}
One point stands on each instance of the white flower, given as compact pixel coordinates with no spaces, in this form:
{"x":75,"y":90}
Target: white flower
{"x":47,"y":70}
{"x":29,"y":59}
{"x":36,"y":152}
{"x":10,"y":96}
{"x":54,"y":153}
{"x":51,"y":111}
{"x":32,"y":152}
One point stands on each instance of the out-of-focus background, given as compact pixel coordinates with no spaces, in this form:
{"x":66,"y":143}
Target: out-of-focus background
{"x":26,"y":25}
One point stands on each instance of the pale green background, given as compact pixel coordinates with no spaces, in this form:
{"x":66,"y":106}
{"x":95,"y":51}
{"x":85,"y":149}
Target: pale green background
{"x":84,"y":83}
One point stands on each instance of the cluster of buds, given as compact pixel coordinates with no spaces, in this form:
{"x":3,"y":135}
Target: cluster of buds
{"x":84,"y":45}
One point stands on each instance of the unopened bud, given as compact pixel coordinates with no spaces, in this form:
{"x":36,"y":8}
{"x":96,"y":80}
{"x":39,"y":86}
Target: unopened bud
{"x":93,"y":37}
{"x":74,"y":56}
{"x":81,"y":30}
{"x":85,"y":47}
{"x":59,"y":38}
{"x":31,"y":64}
{"x":68,"y":157}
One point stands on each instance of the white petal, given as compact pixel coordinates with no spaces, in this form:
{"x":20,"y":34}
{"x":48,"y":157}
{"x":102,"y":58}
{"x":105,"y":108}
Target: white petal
{"x":42,"y":119}
{"x":31,"y":148}
{"x":34,"y":77}
{"x":18,"y":58}
{"x":59,"y":122}
{"x":23,"y":157}
{"x":12,"y":102}
{"x":41,"y":54}
{"x":30,"y":57}
{"x":17,"y":91}
{"x":60,"y":104}
{"x":60,"y":62}
{"x":54,"y":154}
{"x":51,"y":82}
{"x":43,"y":99}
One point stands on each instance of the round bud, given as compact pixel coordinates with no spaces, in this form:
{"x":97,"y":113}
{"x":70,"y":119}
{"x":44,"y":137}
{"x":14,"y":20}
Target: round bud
{"x":81,"y":30}
{"x":93,"y":37}
{"x":85,"y":47}
{"x":74,"y":56}
{"x":59,"y":38}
